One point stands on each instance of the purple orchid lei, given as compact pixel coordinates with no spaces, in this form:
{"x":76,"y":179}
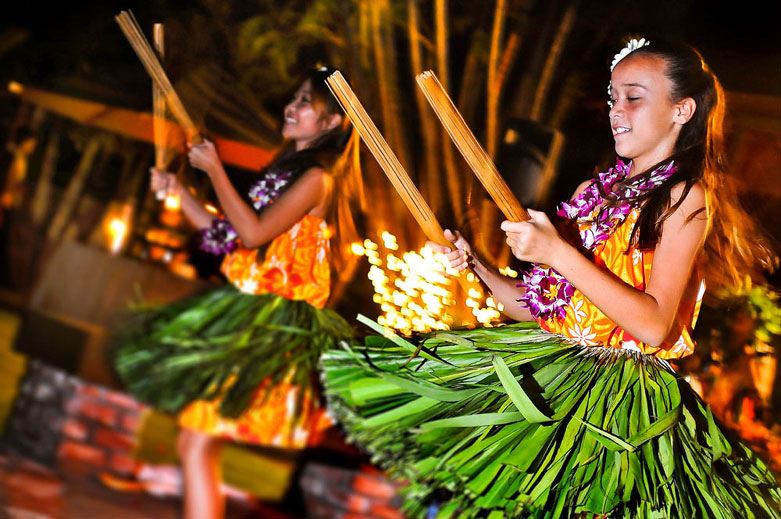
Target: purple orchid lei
{"x":547,"y":292}
{"x":268,"y":189}
{"x":221,"y":237}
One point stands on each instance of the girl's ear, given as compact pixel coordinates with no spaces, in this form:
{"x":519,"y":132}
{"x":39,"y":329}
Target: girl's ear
{"x":685,"y":110}
{"x":333,"y":121}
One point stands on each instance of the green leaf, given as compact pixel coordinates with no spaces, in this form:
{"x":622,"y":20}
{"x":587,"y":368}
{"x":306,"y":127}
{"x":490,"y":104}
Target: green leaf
{"x":476,"y":420}
{"x":516,"y":393}
{"x":611,"y":441}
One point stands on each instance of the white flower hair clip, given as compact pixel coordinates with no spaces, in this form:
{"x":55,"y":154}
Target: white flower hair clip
{"x":632,"y":46}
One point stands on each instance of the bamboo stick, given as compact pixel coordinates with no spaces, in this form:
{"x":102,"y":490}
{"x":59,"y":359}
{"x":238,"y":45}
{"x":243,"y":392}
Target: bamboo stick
{"x":127,"y":22}
{"x":477,"y":158}
{"x":158,"y":111}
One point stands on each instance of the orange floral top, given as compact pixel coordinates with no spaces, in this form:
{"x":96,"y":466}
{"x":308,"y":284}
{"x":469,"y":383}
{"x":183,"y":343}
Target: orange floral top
{"x":586,"y":324}
{"x":295,"y":264}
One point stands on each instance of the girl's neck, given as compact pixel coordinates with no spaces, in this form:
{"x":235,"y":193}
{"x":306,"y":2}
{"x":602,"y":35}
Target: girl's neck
{"x":302,"y":145}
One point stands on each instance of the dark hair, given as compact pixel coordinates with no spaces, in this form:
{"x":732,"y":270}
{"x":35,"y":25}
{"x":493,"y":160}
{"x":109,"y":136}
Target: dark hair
{"x":336,"y":151}
{"x":323,"y":152}
{"x":700,"y":158}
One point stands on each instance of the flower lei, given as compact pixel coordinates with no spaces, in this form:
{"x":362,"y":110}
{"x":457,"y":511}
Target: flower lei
{"x":268,"y":188}
{"x":548,"y":293}
{"x":221,"y":237}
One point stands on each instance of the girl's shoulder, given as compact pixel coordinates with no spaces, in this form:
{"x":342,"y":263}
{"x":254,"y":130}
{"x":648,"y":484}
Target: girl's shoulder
{"x":688,"y":201}
{"x":582,"y":187}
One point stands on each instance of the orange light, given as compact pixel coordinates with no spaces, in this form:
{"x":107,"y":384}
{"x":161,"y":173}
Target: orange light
{"x":172,"y":203}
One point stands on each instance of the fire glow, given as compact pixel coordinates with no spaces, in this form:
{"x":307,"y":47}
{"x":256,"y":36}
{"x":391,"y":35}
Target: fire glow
{"x":415,"y":289}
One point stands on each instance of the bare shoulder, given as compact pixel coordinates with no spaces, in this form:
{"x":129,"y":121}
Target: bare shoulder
{"x":692,"y":202}
{"x":581,"y":187}
{"x":315,"y":178}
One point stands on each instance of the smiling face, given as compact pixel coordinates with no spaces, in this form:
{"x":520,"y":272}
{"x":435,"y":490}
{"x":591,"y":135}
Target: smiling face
{"x":644,"y":119}
{"x":306,"y":119}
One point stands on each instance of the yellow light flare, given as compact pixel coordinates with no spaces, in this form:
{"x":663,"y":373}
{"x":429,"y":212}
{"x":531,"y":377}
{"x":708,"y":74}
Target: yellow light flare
{"x":507,"y":271}
{"x":210,"y":208}
{"x":389,"y":241}
{"x":172,"y":203}
{"x":413,"y":291}
{"x":117,"y":231}
{"x":357,"y":249}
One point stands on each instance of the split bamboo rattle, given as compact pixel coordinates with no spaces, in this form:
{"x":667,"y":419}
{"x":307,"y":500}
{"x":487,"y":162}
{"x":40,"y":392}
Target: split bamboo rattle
{"x":474,"y":154}
{"x":388,"y":161}
{"x":127,"y":22}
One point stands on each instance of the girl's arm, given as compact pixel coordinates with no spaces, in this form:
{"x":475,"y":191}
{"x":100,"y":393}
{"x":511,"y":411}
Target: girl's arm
{"x":192,"y":208}
{"x":647,"y":315}
{"x":309,"y":192}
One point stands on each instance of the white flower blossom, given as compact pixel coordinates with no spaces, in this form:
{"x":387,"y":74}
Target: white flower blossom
{"x":584,"y":336}
{"x":247,"y":286}
{"x":632,"y":46}
{"x":578,"y":312}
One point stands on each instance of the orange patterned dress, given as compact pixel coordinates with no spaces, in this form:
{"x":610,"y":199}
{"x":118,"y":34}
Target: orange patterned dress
{"x":587,"y":325}
{"x":295,"y":266}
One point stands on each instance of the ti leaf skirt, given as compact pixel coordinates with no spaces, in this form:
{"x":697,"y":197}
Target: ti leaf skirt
{"x":517,"y":422}
{"x":228,"y":349}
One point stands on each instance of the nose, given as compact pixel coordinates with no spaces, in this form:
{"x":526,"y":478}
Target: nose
{"x":615,"y":111}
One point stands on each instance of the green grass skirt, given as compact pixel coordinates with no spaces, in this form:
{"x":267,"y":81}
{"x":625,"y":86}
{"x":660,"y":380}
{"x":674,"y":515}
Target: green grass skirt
{"x":517,"y":422}
{"x":222,"y":344}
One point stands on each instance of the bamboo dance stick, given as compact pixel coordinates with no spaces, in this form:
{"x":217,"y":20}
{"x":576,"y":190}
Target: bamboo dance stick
{"x":127,"y":22}
{"x":158,"y":110}
{"x":387,"y":159}
{"x":474,"y":154}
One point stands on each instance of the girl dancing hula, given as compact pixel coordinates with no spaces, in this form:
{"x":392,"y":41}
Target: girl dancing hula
{"x":575,"y":411}
{"x":239,"y":361}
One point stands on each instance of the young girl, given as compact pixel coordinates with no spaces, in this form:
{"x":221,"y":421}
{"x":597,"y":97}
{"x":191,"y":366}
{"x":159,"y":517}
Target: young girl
{"x":576,"y":412}
{"x":239,"y":362}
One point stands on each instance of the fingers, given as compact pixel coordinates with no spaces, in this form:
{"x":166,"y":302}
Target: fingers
{"x":437,"y":248}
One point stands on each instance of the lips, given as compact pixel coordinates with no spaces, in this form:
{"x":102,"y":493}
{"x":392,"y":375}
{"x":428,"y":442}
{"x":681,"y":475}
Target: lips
{"x":620,"y":130}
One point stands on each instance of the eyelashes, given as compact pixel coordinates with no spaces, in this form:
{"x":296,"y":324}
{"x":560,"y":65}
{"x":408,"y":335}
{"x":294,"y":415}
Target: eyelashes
{"x":611,"y":101}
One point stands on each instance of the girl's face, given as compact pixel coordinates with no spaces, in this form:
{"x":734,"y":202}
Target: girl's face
{"x":305,"y":119}
{"x":643,"y":117}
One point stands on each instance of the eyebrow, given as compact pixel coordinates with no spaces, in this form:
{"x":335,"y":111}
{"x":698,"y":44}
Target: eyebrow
{"x":635,"y":85}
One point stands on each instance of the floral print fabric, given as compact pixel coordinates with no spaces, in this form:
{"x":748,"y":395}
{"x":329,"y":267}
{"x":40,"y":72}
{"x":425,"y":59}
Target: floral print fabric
{"x":295,"y":266}
{"x":586,"y":324}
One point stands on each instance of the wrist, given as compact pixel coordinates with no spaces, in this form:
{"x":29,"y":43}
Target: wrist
{"x":559,"y":253}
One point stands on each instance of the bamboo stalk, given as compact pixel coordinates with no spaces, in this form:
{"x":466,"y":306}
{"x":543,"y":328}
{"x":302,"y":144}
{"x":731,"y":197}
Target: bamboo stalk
{"x":492,"y":90}
{"x":474,"y":154}
{"x":127,"y":22}
{"x":453,"y":179}
{"x":543,"y":85}
{"x":40,"y":205}
{"x":70,"y":197}
{"x":432,"y":186}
